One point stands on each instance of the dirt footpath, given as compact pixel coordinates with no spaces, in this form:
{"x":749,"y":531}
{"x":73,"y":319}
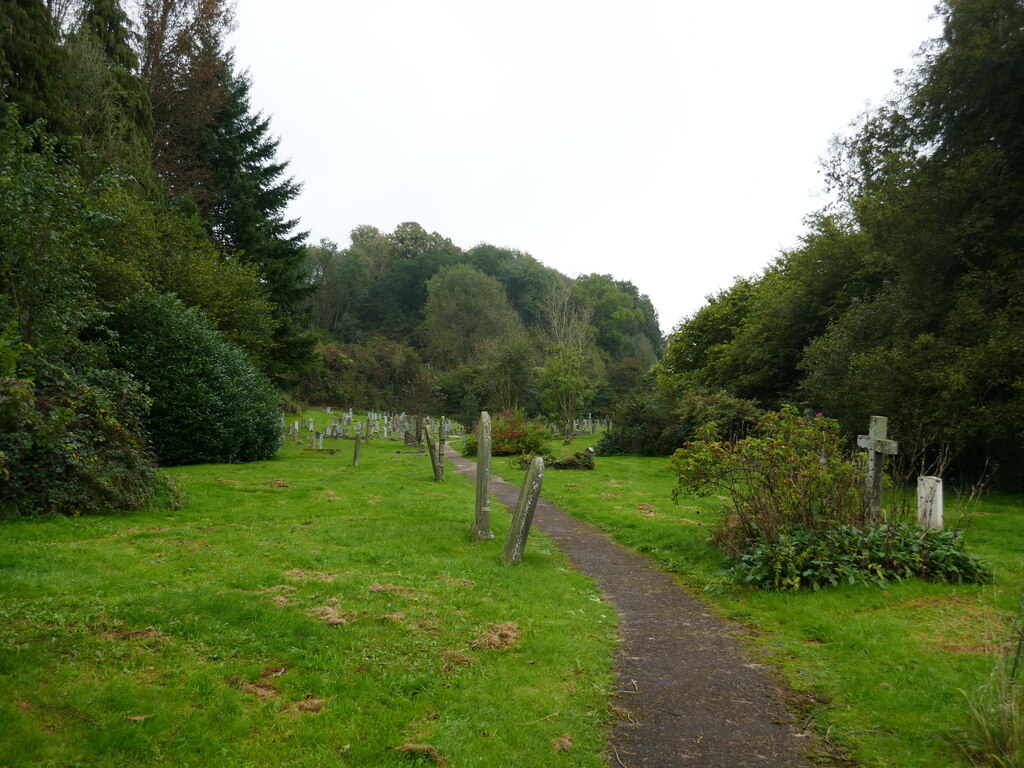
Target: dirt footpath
{"x":689,"y":695}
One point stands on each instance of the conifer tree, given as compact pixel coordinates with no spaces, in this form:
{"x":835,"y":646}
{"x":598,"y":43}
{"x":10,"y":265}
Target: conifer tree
{"x":32,"y":64}
{"x":246,"y":212}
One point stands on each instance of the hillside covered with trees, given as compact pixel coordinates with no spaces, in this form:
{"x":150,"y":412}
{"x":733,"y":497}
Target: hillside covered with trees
{"x":158,"y":306}
{"x":905,"y":296}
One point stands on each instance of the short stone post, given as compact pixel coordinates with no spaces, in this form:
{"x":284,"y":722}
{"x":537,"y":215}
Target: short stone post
{"x":929,"y":502}
{"x":355,"y":453}
{"x":320,"y":440}
{"x":878,"y":448}
{"x":482,"y":525}
{"x":522,"y":519}
{"x":441,"y":437}
{"x":434,"y":462}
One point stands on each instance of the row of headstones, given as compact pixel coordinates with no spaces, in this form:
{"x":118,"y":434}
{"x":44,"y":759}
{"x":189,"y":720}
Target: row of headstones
{"x":526,"y":504}
{"x":374,"y":425}
{"x":587,"y":426}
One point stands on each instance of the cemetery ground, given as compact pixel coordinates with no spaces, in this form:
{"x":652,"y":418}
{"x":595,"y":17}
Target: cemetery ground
{"x":298,"y":612}
{"x":302,"y":611}
{"x":884,"y":674}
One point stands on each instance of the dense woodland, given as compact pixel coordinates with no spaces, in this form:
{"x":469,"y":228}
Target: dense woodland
{"x":159,"y":307}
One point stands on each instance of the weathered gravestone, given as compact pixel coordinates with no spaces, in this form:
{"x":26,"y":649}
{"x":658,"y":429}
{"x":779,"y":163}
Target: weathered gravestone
{"x":482,"y":525}
{"x":878,"y":447}
{"x":523,"y":517}
{"x":929,"y":502}
{"x":355,"y":452}
{"x":435,"y":462}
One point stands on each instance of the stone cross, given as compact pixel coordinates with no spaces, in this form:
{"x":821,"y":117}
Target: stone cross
{"x":929,"y":502}
{"x":481,"y":527}
{"x":522,"y":519}
{"x":878,"y":447}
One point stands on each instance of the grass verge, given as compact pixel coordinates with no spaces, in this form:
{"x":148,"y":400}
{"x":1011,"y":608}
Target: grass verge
{"x":880,"y":672}
{"x":298,"y":612}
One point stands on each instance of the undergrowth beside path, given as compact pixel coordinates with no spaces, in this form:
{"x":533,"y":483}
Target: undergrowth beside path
{"x":880,"y":672}
{"x":298,"y":612}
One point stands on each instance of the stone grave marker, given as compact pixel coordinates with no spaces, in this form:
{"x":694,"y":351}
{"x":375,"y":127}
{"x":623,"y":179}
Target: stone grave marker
{"x":435,"y":461}
{"x":482,"y":525}
{"x":929,"y":502}
{"x":355,"y":453}
{"x":523,"y":517}
{"x":878,"y":447}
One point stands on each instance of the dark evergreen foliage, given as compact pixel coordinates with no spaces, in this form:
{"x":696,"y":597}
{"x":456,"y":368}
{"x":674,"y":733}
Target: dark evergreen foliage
{"x":210,"y":403}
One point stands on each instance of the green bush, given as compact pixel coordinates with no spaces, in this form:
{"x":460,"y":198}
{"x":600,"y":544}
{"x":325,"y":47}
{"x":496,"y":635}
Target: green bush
{"x":848,"y":555}
{"x":511,"y":435}
{"x":648,"y":424}
{"x":798,"y":514}
{"x":210,"y":403}
{"x":580,"y":460}
{"x":71,"y":443}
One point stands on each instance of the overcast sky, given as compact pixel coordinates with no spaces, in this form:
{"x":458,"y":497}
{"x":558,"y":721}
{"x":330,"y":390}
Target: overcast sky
{"x":673,"y":144}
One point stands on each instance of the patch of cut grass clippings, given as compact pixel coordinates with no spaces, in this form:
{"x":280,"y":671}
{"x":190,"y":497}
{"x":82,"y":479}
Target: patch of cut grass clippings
{"x":297,"y":612}
{"x":880,"y":672}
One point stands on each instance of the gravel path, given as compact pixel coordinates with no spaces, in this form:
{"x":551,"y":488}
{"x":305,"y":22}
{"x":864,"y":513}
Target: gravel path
{"x":690,"y":696}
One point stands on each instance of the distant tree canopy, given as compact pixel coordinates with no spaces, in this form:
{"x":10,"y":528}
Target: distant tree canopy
{"x":907,"y":298}
{"x":492,"y":323}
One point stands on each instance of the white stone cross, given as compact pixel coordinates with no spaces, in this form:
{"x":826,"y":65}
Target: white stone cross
{"x":878,"y":448}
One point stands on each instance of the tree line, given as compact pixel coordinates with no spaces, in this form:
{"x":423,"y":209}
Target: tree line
{"x":152,"y":287}
{"x":410,"y":321}
{"x":905,"y":297}
{"x":158,"y":306}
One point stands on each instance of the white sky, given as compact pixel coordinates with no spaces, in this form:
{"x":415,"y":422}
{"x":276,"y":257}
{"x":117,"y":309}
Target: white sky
{"x":673,"y":144}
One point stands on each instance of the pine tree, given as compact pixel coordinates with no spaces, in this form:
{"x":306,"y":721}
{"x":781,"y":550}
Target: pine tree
{"x":247,"y":215}
{"x":32,"y":64}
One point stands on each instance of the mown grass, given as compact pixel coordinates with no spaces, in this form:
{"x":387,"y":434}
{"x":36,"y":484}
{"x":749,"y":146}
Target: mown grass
{"x":297,"y":612}
{"x":879,"y":672}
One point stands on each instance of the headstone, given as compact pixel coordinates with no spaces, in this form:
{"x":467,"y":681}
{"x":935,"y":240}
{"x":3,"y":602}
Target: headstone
{"x":482,"y":525}
{"x":410,"y":439}
{"x":435,"y":462}
{"x":929,"y":502}
{"x":355,"y":453}
{"x":878,"y":447}
{"x":523,"y":517}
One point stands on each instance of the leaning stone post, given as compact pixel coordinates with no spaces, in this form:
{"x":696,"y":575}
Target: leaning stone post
{"x":523,"y":517}
{"x":929,"y":502}
{"x":435,"y":460}
{"x":482,"y":526}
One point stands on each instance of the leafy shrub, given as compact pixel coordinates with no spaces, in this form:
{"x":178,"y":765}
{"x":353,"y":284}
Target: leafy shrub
{"x":848,"y":555}
{"x":210,"y":403}
{"x":791,"y":473}
{"x":798,"y":514}
{"x":71,"y":443}
{"x":511,"y":435}
{"x":651,"y":425}
{"x":579,"y":460}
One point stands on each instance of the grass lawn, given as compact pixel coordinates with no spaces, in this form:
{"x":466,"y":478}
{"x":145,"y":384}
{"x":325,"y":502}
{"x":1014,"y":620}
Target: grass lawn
{"x":298,"y":612}
{"x":880,"y":672}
